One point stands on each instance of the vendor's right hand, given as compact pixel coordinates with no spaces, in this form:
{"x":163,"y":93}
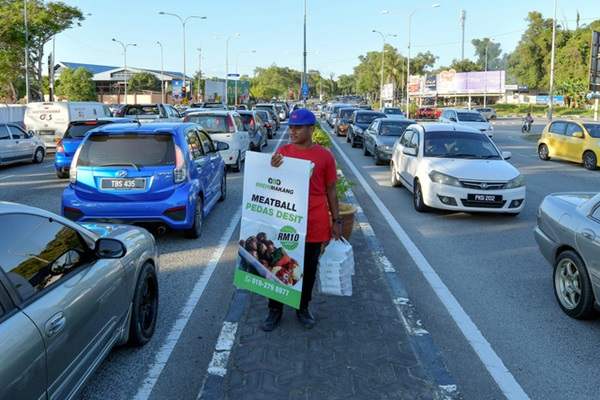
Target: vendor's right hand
{"x":276,"y":160}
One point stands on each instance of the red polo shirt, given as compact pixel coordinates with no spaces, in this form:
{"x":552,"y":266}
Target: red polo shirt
{"x":318,"y":225}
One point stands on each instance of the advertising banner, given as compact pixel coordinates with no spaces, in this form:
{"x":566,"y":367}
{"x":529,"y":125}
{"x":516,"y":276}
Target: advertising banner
{"x":430,"y":84}
{"x":545,"y":99}
{"x":452,"y":82}
{"x":214,"y":90}
{"x":387,"y":93}
{"x":273,"y":228}
{"x":414,"y":84}
{"x":177,"y":88}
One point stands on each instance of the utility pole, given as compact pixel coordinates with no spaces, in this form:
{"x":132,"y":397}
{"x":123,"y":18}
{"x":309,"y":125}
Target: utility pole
{"x":552,"y":63}
{"x":162,"y":73}
{"x":199,"y":73}
{"x":485,"y":75}
{"x":27,"y":96}
{"x":304,"y":54}
{"x":463,"y":16}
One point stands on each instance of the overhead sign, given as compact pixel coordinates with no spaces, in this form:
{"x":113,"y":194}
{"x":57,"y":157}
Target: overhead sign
{"x":233,"y":75}
{"x":305,"y":90}
{"x":595,"y":63}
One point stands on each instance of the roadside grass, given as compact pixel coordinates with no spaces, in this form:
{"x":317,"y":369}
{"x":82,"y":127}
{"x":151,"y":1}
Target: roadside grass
{"x":539,"y":110}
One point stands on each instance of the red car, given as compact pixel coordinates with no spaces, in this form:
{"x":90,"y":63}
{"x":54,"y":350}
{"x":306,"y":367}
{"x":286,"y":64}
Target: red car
{"x":428,"y":113}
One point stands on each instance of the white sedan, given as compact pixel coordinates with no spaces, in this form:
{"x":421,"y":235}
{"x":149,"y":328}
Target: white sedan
{"x":457,"y":168}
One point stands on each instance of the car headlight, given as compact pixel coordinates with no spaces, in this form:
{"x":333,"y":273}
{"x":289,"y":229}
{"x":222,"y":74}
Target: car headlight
{"x":358,"y":129}
{"x":515,"y":183}
{"x":386,"y":148}
{"x":443,"y":179}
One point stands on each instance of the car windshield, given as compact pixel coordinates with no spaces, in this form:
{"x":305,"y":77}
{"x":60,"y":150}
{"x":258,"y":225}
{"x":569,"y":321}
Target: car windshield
{"x":263,"y":114}
{"x":142,"y":110}
{"x":79,"y":130}
{"x":395,"y":128}
{"x":129,"y":149}
{"x":367,"y":118}
{"x":392,"y":111}
{"x":459,"y":145}
{"x":212,"y":123}
{"x":470,"y":117}
{"x":593,"y":130}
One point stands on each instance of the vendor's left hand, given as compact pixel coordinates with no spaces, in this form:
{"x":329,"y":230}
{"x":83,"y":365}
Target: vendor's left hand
{"x":336,"y":231}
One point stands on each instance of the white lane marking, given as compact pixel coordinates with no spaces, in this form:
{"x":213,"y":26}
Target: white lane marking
{"x":6,"y":177}
{"x":162,"y":357}
{"x":492,"y":362}
{"x":220,"y":358}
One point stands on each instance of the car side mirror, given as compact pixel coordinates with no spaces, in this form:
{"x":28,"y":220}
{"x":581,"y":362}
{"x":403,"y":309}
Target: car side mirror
{"x":109,"y":248}
{"x":452,"y":119}
{"x":578,"y":134}
{"x":222,"y":146}
{"x":410,"y":151}
{"x":30,"y":133}
{"x":507,"y":155}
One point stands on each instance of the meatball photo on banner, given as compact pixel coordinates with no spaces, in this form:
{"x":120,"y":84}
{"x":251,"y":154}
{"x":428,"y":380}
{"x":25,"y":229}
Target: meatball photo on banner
{"x":273,"y":228}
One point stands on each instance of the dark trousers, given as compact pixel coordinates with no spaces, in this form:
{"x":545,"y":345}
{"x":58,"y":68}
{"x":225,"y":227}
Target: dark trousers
{"x":312,"y":251}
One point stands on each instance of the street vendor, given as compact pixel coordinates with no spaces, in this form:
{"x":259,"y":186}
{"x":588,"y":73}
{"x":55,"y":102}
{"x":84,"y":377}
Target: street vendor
{"x":322,"y":208}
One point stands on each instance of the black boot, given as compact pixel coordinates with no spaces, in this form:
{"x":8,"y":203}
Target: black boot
{"x":306,"y":318}
{"x":272,"y":320}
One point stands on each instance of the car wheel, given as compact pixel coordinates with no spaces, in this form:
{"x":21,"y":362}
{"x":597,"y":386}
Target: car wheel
{"x":418,"y":198}
{"x":196,"y":229}
{"x":144,"y":310}
{"x":543,"y":152}
{"x":589,"y":160}
{"x":353,"y":142}
{"x":572,"y":286}
{"x":60,"y":174}
{"x":258,"y":147}
{"x":223,"y":186}
{"x":394,"y":176}
{"x":378,"y":160}
{"x":347,"y":137}
{"x":238,"y":164}
{"x":38,"y":156}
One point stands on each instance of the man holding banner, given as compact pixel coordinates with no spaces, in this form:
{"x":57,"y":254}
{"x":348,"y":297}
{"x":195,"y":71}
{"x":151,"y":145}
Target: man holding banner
{"x":322,"y":202}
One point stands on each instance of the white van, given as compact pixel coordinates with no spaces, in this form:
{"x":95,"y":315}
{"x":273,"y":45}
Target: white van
{"x":50,"y":120}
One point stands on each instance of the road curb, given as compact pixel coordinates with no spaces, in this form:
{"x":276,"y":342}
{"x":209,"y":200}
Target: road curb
{"x":420,"y":339}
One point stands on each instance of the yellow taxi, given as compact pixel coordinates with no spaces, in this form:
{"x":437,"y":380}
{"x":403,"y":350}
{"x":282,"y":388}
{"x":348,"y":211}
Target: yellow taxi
{"x":572,"y":141}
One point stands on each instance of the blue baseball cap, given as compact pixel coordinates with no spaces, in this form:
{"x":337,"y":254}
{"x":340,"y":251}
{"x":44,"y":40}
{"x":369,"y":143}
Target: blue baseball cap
{"x":301,"y":117}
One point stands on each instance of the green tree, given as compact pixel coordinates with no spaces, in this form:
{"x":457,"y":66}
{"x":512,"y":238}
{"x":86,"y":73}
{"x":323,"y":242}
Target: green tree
{"x":45,"y":19}
{"x":275,"y":81}
{"x":422,"y":63}
{"x":76,"y":85}
{"x":465,"y":65}
{"x":142,"y":81}
{"x":494,"y":53}
{"x":346,"y":84}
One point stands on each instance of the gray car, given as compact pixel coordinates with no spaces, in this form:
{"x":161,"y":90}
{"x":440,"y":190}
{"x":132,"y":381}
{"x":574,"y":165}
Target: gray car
{"x":380,"y":136}
{"x":16,"y":145}
{"x":568,"y":235}
{"x":69,"y":293}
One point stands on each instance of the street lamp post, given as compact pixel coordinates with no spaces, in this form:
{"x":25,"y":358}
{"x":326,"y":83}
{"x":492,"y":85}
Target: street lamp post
{"x":227,"y":66}
{"x":162,"y":72}
{"x":552,"y":63}
{"x":26,"y":51}
{"x":237,"y":72}
{"x":124,"y":46}
{"x":436,"y":5}
{"x":303,"y":83}
{"x":199,"y":73}
{"x":383,"y":36}
{"x":183,"y":21}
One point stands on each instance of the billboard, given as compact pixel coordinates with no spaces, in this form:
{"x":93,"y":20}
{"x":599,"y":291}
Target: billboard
{"x":177,"y":88}
{"x":387,"y":93}
{"x":595,"y":62}
{"x":214,"y":90}
{"x":458,"y":83}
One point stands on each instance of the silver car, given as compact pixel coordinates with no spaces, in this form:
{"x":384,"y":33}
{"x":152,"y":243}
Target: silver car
{"x":487,"y":112}
{"x":568,"y":235}
{"x":69,"y":293}
{"x":16,"y":145}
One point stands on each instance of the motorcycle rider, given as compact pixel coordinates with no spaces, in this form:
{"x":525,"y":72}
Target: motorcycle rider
{"x":527,"y":121}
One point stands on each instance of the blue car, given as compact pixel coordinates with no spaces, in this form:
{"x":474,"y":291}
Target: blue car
{"x":165,"y":174}
{"x":76,"y":131}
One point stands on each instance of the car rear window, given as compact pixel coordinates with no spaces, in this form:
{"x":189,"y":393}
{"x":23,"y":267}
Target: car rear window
{"x":127,"y":149}
{"x":367,"y":118}
{"x":212,"y":123}
{"x":80,"y":129}
{"x":139,"y":109}
{"x":346,"y":114}
{"x":393,"y":111}
{"x":395,"y":128}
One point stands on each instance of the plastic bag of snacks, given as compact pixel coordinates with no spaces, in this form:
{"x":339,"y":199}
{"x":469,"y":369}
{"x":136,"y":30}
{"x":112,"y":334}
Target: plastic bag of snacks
{"x":336,"y":267}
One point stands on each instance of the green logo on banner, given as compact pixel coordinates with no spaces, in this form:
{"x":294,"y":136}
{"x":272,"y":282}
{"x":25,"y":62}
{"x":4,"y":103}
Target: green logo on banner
{"x":288,"y":237}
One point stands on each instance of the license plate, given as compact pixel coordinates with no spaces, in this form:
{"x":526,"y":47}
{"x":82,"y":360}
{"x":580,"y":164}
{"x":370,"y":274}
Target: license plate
{"x":123,"y":183}
{"x":486,"y":198}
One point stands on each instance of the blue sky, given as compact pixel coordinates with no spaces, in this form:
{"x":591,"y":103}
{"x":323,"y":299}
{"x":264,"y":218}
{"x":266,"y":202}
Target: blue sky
{"x":338,"y":30}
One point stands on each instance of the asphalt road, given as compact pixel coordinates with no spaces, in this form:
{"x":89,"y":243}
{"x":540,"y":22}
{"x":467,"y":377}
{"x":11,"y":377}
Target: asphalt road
{"x":492,"y":266}
{"x":183,"y":262}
